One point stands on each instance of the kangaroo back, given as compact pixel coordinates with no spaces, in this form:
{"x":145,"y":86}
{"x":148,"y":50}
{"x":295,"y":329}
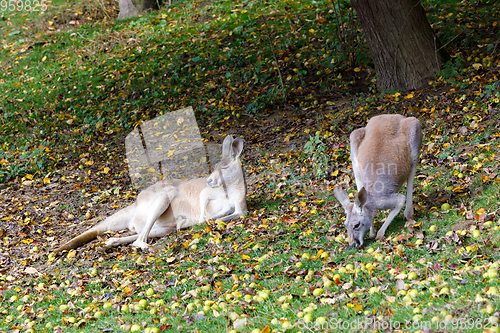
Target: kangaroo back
{"x":384,"y":154}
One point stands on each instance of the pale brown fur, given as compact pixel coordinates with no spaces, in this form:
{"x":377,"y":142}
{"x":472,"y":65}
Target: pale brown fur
{"x":384,"y":155}
{"x":170,"y":205}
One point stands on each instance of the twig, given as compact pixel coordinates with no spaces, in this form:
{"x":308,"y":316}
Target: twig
{"x":495,"y":46}
{"x":451,"y":40}
{"x":275,"y":59}
{"x":340,"y":28}
{"x":351,"y":37}
{"x":103,"y":8}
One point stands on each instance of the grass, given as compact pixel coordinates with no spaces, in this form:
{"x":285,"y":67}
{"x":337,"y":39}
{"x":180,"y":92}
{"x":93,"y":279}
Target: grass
{"x":72,"y":91}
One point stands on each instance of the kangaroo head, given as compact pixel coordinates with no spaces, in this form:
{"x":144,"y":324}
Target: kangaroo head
{"x":359,"y":218}
{"x":229,"y":168}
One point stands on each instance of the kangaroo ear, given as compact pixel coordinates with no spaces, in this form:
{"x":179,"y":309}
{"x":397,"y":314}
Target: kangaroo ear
{"x":237,"y":147}
{"x":361,"y":197}
{"x":341,"y":196}
{"x":226,"y":146}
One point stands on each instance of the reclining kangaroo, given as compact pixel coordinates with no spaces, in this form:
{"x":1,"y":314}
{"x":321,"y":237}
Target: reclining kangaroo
{"x":384,"y":155}
{"x":170,"y":205}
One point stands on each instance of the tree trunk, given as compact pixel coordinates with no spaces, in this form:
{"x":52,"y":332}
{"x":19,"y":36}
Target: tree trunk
{"x":404,"y":48}
{"x":127,"y":9}
{"x":132,"y":8}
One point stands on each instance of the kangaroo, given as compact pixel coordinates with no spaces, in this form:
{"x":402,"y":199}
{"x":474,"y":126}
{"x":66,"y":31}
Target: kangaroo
{"x":384,"y":155}
{"x":170,"y":205}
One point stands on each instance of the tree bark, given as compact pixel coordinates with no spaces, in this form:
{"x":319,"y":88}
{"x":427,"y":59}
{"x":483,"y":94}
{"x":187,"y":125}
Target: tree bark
{"x":127,"y":9}
{"x":132,"y":8}
{"x":403,"y":45}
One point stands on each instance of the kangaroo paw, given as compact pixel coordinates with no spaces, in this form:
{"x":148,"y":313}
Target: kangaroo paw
{"x":410,"y":223}
{"x":380,"y":236}
{"x":409,"y":213}
{"x":140,"y":244}
{"x":111,"y":242}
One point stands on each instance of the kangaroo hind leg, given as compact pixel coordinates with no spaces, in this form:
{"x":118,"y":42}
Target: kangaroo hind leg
{"x":355,"y":140}
{"x":414,"y":137}
{"x":150,"y":211}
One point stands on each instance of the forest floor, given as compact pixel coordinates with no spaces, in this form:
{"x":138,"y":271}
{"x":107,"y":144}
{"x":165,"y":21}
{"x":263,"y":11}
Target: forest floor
{"x":75,"y":82}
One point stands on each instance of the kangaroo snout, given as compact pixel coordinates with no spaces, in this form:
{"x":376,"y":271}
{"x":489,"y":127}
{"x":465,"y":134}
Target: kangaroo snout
{"x":355,"y":241}
{"x":353,"y":246}
{"x":213,"y":181}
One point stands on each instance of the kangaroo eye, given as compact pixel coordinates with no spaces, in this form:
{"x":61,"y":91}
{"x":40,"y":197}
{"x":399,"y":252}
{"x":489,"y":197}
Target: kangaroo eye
{"x":357,"y":225}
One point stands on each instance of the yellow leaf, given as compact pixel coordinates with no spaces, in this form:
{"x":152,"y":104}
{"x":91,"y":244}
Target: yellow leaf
{"x":245,"y":257}
{"x":106,"y":170}
{"x":287,"y":138}
{"x":44,"y":58}
{"x":357,"y":69}
{"x":335,"y":173}
{"x":71,"y":254}
{"x":266,"y":329}
{"x":46,"y":181}
{"x":29,"y":176}
{"x":311,"y":31}
{"x":317,"y":255}
{"x":358,"y":307}
{"x":481,"y":211}
{"x":485,"y":179}
{"x":409,"y":96}
{"x":477,"y":66}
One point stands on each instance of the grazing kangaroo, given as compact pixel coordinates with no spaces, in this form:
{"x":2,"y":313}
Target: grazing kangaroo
{"x":384,"y":155}
{"x":170,"y":205}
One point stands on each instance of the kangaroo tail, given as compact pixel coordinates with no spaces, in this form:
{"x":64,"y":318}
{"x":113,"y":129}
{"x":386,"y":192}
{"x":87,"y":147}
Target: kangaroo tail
{"x":80,"y":240}
{"x":118,"y":221}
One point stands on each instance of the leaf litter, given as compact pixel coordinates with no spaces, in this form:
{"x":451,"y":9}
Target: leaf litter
{"x":284,"y":266}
